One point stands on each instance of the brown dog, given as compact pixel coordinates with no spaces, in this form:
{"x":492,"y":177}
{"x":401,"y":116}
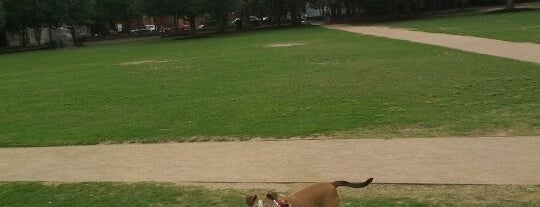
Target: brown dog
{"x":316,"y":195}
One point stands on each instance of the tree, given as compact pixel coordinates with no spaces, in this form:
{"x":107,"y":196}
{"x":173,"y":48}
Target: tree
{"x":187,"y":9}
{"x":36,"y":17}
{"x":278,"y":11}
{"x":18,"y":17}
{"x":510,"y":4}
{"x":295,"y":8}
{"x":173,"y":8}
{"x":79,"y":13}
{"x":112,"y":11}
{"x":56,"y":12}
{"x":192,"y":9}
{"x":162,"y":8}
{"x":2,"y":16}
{"x":221,"y":9}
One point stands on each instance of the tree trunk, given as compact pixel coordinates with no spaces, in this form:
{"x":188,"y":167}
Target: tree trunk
{"x":24,"y":37}
{"x":3,"y":39}
{"x":21,"y":38}
{"x":393,"y":7}
{"x":221,"y":21}
{"x":192,"y":25}
{"x":334,"y":11}
{"x":273,"y":21}
{"x":294,"y":14}
{"x":338,"y":11}
{"x":246,"y":24}
{"x":74,"y":34}
{"x":510,"y":4}
{"x":51,"y":41}
{"x":175,"y":21}
{"x":276,"y":20}
{"x":37,"y":34}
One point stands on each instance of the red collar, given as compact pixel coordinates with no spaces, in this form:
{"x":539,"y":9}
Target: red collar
{"x":283,"y":203}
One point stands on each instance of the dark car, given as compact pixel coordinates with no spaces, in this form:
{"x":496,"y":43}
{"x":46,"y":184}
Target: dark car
{"x":267,"y":20}
{"x":253,"y":20}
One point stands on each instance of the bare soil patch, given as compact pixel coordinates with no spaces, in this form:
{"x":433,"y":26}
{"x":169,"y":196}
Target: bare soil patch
{"x":141,"y":62}
{"x":290,"y":44}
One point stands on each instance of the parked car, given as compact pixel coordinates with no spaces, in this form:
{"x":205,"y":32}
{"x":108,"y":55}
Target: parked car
{"x":267,"y":20}
{"x":138,"y":29}
{"x":236,"y":21}
{"x":151,"y":28}
{"x":166,"y":29}
{"x":184,"y":28}
{"x":253,"y":20}
{"x":144,"y":29}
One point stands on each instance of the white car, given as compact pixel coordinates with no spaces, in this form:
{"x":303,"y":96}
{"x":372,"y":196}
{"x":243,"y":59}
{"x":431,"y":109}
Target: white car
{"x":151,"y":28}
{"x":144,"y":29}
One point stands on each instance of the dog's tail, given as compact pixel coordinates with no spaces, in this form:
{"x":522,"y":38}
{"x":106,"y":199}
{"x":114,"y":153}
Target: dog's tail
{"x":352,"y":185}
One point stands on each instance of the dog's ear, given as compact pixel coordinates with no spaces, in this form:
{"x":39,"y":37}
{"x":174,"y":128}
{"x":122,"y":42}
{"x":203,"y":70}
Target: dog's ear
{"x":272,"y":195}
{"x":250,"y":200}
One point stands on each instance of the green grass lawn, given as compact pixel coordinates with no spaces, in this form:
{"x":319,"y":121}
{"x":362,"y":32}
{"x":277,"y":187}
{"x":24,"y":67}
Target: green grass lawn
{"x":336,"y":83}
{"x":518,"y":26}
{"x":152,"y":194}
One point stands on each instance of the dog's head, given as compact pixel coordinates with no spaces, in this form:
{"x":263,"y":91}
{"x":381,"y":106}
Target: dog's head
{"x":269,"y":201}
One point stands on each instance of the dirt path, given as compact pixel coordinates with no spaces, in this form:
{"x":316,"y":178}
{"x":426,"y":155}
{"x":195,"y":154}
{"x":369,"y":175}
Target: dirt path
{"x":440,"y":160}
{"x":528,"y":52}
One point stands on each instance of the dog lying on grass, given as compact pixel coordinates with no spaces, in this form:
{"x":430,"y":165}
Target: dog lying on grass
{"x":316,"y":195}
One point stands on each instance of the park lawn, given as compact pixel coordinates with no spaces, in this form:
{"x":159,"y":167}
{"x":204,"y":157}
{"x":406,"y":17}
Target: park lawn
{"x":157,"y":194}
{"x":238,"y":87}
{"x":517,"y":26}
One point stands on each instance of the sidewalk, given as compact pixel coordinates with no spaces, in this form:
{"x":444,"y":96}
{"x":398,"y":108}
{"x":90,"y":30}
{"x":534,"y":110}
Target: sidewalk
{"x":513,"y":160}
{"x":528,"y":52}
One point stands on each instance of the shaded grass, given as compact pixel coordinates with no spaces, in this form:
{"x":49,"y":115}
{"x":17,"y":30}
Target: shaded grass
{"x":113,"y":194}
{"x":521,"y":26}
{"x":235,"y":86}
{"x":153,"y":194}
{"x":443,"y":195}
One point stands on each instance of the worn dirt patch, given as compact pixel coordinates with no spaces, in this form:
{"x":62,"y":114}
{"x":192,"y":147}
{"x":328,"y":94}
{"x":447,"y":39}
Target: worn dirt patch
{"x":290,"y":44}
{"x":141,"y":62}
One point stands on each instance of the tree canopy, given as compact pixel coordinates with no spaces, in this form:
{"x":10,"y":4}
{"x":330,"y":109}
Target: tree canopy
{"x":23,"y":13}
{"x":116,"y":10}
{"x":2,"y":15}
{"x":18,"y":15}
{"x":35,"y":13}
